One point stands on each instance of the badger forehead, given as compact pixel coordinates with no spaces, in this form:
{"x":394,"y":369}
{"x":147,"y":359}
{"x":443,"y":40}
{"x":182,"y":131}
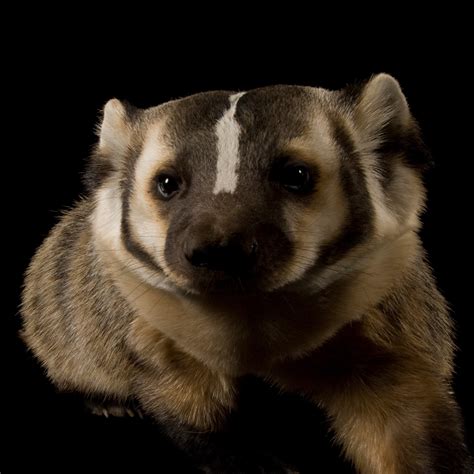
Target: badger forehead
{"x":274,"y":107}
{"x":222,"y":133}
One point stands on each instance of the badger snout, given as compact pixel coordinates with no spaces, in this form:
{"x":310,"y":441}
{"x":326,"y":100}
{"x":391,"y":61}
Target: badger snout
{"x":230,"y":248}
{"x":235,"y":255}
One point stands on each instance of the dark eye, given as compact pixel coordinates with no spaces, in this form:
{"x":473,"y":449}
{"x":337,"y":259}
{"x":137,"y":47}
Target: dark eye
{"x":296,"y":178}
{"x":167,"y":185}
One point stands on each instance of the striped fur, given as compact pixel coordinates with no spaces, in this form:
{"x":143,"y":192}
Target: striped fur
{"x":338,"y":302}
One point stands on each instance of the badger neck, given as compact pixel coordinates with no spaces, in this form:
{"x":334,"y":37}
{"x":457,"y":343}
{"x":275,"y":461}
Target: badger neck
{"x":248,"y":333}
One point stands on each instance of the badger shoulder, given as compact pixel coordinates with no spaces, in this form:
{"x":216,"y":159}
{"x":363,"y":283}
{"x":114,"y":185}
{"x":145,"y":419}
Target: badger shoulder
{"x":74,"y":319}
{"x":413,"y":320}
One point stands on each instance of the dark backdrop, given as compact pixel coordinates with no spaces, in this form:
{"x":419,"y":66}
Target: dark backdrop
{"x":55,"y":94}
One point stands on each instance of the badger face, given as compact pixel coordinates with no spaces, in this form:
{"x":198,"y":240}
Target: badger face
{"x":260,"y":191}
{"x":233,"y":202}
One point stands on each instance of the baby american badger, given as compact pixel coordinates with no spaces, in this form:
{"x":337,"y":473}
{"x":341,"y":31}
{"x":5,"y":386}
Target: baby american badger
{"x":272,"y":232}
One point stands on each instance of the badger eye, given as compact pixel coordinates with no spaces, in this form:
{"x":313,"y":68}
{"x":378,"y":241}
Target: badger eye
{"x":167,"y":185}
{"x":296,"y":178}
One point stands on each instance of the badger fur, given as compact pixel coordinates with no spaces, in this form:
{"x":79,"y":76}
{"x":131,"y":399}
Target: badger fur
{"x":272,"y":232}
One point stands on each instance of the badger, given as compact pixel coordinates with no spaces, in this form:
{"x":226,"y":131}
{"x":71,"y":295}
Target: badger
{"x":272,"y":232}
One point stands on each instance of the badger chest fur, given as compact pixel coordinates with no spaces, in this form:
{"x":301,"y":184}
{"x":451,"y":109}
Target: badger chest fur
{"x":271,"y":232}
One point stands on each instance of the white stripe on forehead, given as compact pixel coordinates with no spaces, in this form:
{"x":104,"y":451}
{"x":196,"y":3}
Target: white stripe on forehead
{"x":228,"y":131}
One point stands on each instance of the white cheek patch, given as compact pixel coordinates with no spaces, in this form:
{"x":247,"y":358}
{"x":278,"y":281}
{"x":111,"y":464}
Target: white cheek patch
{"x":107,"y":217}
{"x":145,"y":224}
{"x":228,"y":132}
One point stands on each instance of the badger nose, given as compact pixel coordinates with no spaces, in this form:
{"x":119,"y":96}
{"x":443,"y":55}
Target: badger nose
{"x":235,"y":257}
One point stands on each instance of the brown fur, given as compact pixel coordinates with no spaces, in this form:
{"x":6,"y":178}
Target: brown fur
{"x":184,"y":388}
{"x":80,"y":350}
{"x":381,"y":375}
{"x":365,"y":334}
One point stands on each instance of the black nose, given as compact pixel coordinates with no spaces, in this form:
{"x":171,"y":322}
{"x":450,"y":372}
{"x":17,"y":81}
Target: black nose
{"x":232,"y":258}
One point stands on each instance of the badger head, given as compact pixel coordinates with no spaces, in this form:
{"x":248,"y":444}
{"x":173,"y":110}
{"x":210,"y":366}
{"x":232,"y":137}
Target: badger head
{"x":276,"y":189}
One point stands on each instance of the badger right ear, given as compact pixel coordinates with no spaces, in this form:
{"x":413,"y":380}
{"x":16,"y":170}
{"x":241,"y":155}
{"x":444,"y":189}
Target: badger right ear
{"x":385,"y":125}
{"x":382,"y":110}
{"x":115,"y":130}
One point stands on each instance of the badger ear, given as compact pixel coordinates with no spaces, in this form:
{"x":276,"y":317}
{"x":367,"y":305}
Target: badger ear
{"x":115,"y":130}
{"x":115,"y":136}
{"x":381,"y":109}
{"x":384,"y":123}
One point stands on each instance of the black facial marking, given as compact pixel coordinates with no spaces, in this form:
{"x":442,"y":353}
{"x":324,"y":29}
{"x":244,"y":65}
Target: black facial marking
{"x":360,"y":221}
{"x":134,"y":247}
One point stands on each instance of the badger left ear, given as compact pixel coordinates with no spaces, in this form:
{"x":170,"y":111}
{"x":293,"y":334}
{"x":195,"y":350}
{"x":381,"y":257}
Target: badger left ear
{"x":115,"y":137}
{"x":115,"y":130}
{"x":381,"y":108}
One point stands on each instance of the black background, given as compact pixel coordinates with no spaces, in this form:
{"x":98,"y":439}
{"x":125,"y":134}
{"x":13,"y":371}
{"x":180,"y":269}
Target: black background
{"x":54,"y":93}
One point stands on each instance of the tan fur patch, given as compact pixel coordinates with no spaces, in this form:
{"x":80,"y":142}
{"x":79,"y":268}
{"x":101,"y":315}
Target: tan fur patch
{"x":184,"y":388}
{"x":311,"y":226}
